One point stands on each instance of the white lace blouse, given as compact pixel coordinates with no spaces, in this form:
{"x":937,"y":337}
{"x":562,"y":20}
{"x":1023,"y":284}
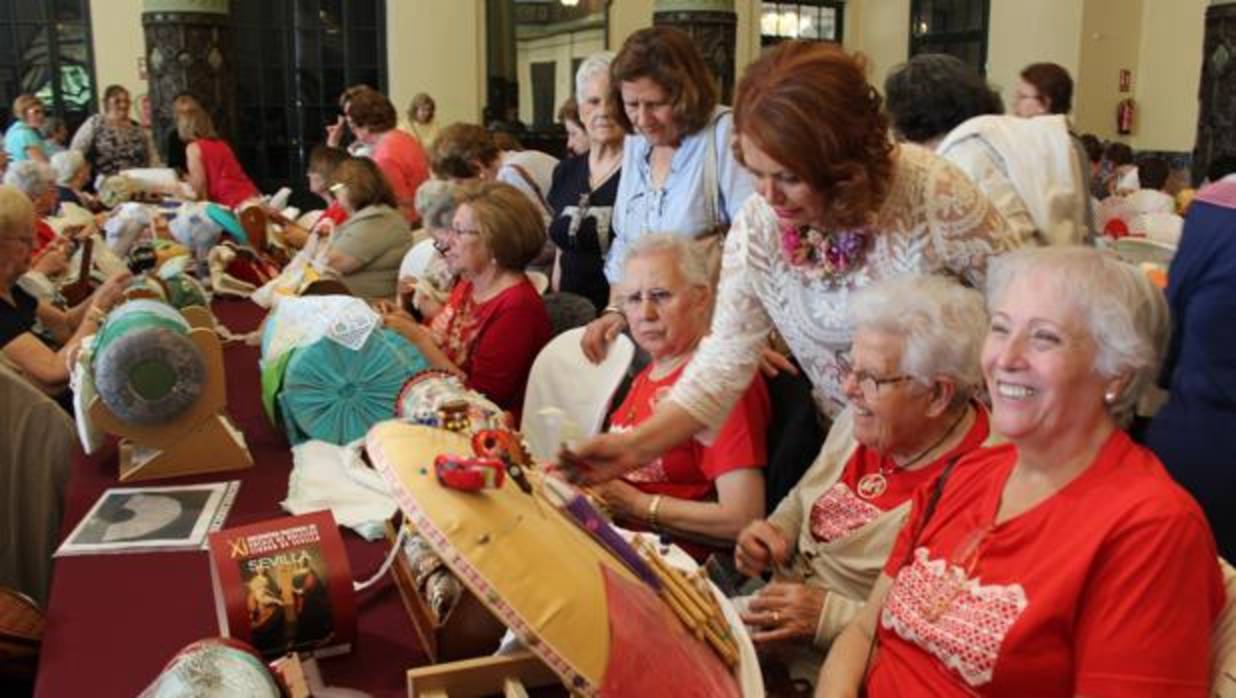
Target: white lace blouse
{"x":934,"y":220}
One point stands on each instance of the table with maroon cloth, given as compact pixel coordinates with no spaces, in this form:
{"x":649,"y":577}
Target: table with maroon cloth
{"x":113,"y":621}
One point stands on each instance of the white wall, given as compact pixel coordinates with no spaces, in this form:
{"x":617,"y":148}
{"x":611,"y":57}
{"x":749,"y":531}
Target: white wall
{"x":437,"y":46}
{"x":561,"y":49}
{"x":1022,"y":32}
{"x":1169,"y":71}
{"x":116,"y":29}
{"x":1111,"y":36}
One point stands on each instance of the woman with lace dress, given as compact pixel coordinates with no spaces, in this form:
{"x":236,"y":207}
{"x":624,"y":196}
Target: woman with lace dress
{"x":840,"y":208}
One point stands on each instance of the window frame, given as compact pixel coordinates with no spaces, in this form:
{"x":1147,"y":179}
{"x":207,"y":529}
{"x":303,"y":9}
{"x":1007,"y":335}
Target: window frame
{"x":837,"y":6}
{"x":47,"y":23}
{"x":931,"y":42}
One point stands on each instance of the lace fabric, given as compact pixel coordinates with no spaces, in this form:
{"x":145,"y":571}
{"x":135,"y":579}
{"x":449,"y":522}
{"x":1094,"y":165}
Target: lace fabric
{"x":934,"y":220}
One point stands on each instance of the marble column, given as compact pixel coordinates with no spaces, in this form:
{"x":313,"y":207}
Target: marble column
{"x":188,"y":48}
{"x":712,"y":25}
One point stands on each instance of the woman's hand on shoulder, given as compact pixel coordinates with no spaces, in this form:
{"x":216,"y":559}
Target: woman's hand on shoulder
{"x":599,"y":334}
{"x":760,"y":546}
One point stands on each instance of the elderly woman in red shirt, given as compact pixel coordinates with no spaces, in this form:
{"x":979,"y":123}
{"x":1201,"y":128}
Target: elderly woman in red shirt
{"x":706,"y":493}
{"x":494,"y":322}
{"x":1065,"y":562}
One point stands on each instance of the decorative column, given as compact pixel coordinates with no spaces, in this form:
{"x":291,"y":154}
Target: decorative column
{"x":712,"y":25}
{"x":1216,"y":121}
{"x":188,"y":48}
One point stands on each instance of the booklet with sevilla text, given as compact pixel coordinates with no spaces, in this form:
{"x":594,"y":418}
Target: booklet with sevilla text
{"x":285,"y":585}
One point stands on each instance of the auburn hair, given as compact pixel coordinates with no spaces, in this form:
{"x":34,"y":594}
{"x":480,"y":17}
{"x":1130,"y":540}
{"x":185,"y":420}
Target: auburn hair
{"x":809,"y":106}
{"x":669,"y":58}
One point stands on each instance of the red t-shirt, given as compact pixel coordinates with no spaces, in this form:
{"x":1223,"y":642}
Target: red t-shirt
{"x":687,"y":471}
{"x":1110,"y":587}
{"x":43,"y":235}
{"x":226,"y":181}
{"x":336,"y":213}
{"x":402,"y":159}
{"x":494,"y":342}
{"x":843,"y":508}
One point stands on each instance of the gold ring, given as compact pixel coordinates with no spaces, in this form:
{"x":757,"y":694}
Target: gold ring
{"x":776,"y":617}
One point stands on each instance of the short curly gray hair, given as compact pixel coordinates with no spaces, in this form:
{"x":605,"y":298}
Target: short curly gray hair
{"x":435,"y":201}
{"x":941,"y":321}
{"x":687,"y":254}
{"x":595,"y":64}
{"x":66,"y":165}
{"x":30,"y":177}
{"x":1126,"y":315}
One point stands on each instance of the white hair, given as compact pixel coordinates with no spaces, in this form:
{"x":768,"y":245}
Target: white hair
{"x":435,"y":201}
{"x":1126,"y":315}
{"x":941,"y":322}
{"x":687,"y":255}
{"x":590,"y":67}
{"x":66,"y":165}
{"x":30,"y":177}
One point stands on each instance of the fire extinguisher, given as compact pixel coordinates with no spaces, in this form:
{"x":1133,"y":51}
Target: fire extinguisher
{"x":1124,"y":116}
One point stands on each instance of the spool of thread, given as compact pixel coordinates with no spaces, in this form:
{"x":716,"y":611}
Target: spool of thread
{"x":146,"y":368}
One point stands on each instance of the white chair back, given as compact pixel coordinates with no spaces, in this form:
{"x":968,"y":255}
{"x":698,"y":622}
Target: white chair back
{"x":417,"y":259}
{"x":562,"y":378}
{"x":1141,"y":250}
{"x":539,"y":281}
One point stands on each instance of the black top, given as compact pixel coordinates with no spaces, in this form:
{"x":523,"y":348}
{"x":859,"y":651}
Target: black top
{"x":176,"y":158}
{"x":578,"y":209}
{"x":16,"y":320}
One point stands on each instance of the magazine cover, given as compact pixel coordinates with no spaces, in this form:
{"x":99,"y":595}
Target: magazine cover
{"x":285,"y":585}
{"x":152,"y":519}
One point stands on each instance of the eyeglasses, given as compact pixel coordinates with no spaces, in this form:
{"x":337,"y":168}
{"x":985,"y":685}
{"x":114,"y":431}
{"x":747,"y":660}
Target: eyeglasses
{"x":454,"y":232}
{"x":867,"y":383}
{"x":656,"y":296}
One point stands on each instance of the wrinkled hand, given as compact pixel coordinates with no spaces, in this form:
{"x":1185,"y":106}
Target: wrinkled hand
{"x":773,"y":362}
{"x":760,"y":546}
{"x":324,"y":227}
{"x":600,"y":459}
{"x":599,"y":334}
{"x":785,"y":611}
{"x":109,"y":293}
{"x":54,"y":259}
{"x":624,"y":500}
{"x":406,"y":325}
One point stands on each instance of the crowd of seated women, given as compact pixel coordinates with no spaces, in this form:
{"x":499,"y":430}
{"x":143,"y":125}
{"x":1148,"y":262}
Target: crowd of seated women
{"x":978,"y":520}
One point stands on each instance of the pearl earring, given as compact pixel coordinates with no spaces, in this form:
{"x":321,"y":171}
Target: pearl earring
{"x":1110,"y":397}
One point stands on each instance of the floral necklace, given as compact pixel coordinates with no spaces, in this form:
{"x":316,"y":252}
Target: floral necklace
{"x":825,"y":256}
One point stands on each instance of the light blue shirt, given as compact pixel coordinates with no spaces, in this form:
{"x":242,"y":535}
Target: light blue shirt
{"x":680,"y":206}
{"x":19,"y":137}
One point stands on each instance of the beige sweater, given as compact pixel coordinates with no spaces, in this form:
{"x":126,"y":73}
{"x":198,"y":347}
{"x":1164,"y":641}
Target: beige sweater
{"x":847,"y":567}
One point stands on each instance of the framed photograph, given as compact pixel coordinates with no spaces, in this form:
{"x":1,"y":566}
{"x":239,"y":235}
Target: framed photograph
{"x":152,"y":519}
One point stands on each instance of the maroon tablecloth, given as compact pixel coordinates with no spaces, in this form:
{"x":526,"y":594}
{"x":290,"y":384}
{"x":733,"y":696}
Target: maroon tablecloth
{"x":113,"y":621}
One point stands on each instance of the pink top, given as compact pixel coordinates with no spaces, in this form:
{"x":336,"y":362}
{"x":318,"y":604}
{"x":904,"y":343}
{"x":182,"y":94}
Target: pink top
{"x":402,"y":159}
{"x":226,"y":181}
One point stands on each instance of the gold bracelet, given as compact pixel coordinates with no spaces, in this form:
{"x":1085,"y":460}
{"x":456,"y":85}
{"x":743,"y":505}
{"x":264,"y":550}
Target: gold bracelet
{"x":653,"y":507}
